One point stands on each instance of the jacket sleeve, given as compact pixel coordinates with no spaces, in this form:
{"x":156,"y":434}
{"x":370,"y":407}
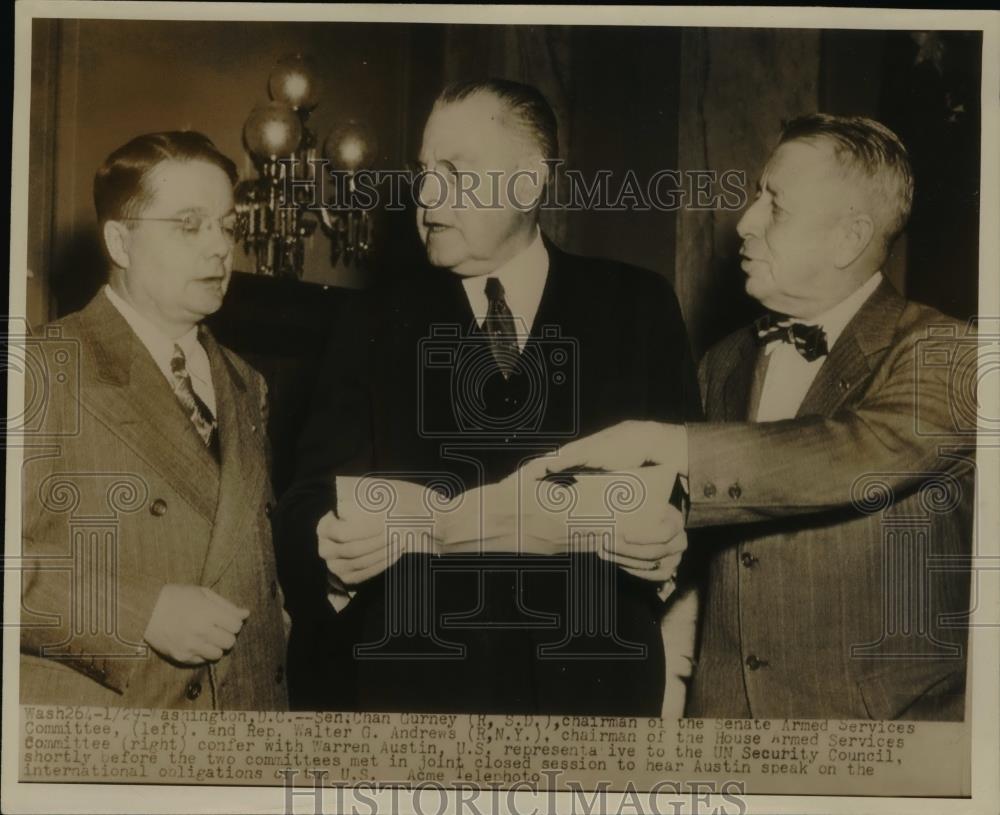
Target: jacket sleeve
{"x":335,"y":439}
{"x":905,"y":431}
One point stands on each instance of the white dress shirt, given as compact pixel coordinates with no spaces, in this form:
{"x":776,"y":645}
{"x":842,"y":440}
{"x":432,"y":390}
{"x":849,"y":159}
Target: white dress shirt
{"x":523,"y":279}
{"x":161,"y":348}
{"x":789,"y":375}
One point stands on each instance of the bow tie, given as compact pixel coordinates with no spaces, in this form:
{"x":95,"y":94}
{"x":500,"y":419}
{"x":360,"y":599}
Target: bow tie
{"x":809,"y":340}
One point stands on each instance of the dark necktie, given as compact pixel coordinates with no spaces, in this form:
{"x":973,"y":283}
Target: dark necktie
{"x":499,"y":327}
{"x":808,"y":340}
{"x":199,"y":413}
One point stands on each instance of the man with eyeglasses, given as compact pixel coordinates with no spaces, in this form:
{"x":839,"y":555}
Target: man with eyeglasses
{"x":173,"y":602}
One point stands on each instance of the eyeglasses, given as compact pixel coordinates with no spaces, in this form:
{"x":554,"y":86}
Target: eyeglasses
{"x":194,"y":226}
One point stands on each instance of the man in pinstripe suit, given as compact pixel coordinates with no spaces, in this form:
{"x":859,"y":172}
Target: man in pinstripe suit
{"x":151,"y":579}
{"x":834,"y":464}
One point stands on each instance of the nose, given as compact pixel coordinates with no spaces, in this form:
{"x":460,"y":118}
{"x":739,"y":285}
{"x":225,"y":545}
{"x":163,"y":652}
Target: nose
{"x":749,"y":223}
{"x":219,"y":240}
{"x":433,"y":190}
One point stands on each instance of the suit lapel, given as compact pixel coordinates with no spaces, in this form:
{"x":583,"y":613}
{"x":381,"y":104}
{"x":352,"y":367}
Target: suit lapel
{"x":738,"y":385}
{"x":242,"y":469}
{"x":130,"y":395}
{"x":855,"y":354}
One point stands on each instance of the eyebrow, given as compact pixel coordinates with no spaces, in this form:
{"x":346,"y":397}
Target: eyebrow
{"x":203,"y":211}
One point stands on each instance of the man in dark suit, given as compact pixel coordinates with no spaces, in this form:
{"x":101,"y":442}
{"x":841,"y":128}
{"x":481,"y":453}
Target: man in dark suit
{"x":150,"y":577}
{"x":453,"y":375}
{"x":836,"y":458}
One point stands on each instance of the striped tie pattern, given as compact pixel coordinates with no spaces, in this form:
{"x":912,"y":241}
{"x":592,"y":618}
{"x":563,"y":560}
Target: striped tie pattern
{"x":201,"y":417}
{"x":500,"y":329}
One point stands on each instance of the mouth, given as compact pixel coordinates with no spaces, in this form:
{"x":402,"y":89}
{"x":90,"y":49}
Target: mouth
{"x":747,"y":259}
{"x":213,"y":280}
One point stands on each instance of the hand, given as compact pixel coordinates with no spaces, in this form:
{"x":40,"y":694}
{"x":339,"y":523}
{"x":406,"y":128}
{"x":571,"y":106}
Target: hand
{"x":649,"y":536}
{"x":656,"y":562}
{"x":625,"y":446}
{"x":356,"y":547}
{"x":193,"y":624}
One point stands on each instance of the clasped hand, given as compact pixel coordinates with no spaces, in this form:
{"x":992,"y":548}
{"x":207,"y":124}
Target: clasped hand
{"x":192,"y":624}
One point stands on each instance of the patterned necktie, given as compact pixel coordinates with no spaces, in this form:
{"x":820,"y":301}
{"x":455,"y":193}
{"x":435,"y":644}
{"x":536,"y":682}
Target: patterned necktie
{"x":499,"y":327}
{"x":199,"y":413}
{"x":808,"y":340}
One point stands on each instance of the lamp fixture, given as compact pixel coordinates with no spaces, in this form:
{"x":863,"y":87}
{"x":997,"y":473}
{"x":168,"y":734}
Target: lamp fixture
{"x":282,"y":206}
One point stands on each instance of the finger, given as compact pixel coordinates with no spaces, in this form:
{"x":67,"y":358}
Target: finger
{"x":358,"y":569}
{"x":666,"y":565}
{"x":349,"y":527}
{"x":224,"y":605}
{"x":574,"y":454}
{"x":667,"y":528}
{"x":355,"y":549}
{"x":629,"y":562}
{"x":362,"y":575}
{"x":346,"y":550}
{"x":208,"y":652}
{"x":350,"y":571}
{"x":665,"y":572}
{"x":220,"y":612}
{"x":361,"y":562}
{"x":643,"y":552}
{"x":226,"y":622}
{"x":187,"y":656}
{"x":653,"y":576}
{"x":220,"y":637}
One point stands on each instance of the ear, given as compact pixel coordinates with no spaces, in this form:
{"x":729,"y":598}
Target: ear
{"x":116,"y":239}
{"x":527,"y":182}
{"x":856,"y":233}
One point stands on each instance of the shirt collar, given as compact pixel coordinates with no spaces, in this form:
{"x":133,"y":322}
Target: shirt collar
{"x":159,"y":345}
{"x":523,"y":279}
{"x":834,"y":320}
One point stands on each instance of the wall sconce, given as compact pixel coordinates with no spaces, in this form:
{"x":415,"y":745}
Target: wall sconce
{"x":282,"y":206}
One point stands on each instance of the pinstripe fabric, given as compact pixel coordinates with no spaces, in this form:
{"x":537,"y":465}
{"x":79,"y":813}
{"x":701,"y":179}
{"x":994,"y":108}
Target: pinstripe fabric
{"x":821,"y":602}
{"x":120,"y":497}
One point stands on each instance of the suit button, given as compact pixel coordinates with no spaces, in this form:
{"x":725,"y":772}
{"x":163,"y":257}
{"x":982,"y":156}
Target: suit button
{"x":748,"y":559}
{"x":268,"y":509}
{"x":279,"y":674}
{"x":753,"y":662}
{"x":274,"y":589}
{"x":735,"y":492}
{"x":709,"y":490}
{"x":193,"y":690}
{"x":158,"y":507}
